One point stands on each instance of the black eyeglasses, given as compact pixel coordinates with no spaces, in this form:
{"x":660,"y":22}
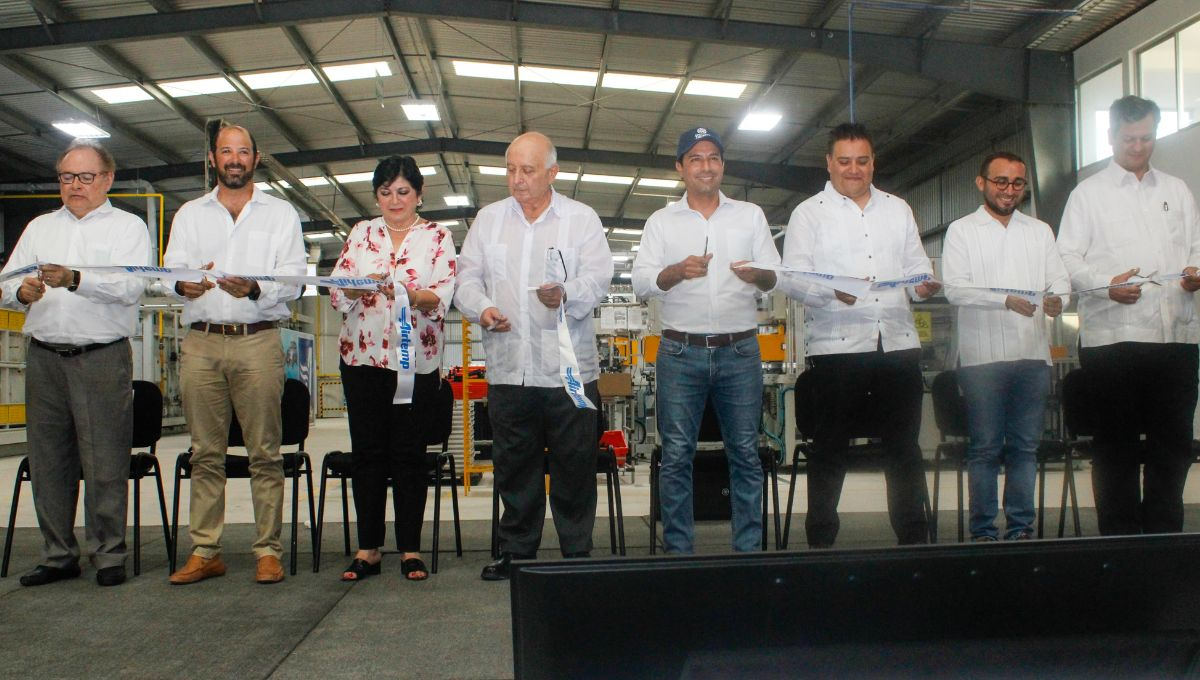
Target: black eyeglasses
{"x":1003,"y":183}
{"x":84,"y":177}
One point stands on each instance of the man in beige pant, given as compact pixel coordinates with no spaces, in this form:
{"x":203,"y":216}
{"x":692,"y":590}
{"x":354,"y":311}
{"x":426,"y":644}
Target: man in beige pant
{"x":232,"y":359}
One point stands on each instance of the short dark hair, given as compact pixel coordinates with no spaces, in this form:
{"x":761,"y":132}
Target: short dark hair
{"x":397,"y":166}
{"x":213,"y":129}
{"x":849,"y":131}
{"x":1131,"y":109}
{"x":1000,"y":155}
{"x":106,"y":158}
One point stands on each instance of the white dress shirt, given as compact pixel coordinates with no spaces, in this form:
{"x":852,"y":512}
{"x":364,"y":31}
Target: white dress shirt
{"x":1114,"y":223}
{"x":719,"y":302}
{"x":829,"y":233}
{"x":980,"y":252}
{"x":504,"y":256}
{"x":265,"y":239}
{"x":104,"y":307}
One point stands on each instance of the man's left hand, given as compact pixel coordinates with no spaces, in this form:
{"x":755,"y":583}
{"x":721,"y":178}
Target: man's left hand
{"x":1191,"y":279}
{"x":764,"y":279}
{"x":1052,"y":305}
{"x":237,"y":286}
{"x":926,"y":289}
{"x":551,"y":295}
{"x":56,"y":275}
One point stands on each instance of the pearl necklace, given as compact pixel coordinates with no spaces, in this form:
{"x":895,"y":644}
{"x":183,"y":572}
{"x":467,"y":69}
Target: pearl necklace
{"x":404,"y":229}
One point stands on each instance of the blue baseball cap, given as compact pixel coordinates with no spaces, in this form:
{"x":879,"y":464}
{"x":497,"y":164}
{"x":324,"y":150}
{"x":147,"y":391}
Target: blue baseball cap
{"x":693,"y":137}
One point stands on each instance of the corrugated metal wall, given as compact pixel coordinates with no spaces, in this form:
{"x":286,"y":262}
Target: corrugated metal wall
{"x":950,"y":194}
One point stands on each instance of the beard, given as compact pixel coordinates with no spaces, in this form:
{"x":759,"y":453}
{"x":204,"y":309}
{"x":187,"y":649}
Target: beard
{"x":999,"y":209}
{"x":235,"y":182}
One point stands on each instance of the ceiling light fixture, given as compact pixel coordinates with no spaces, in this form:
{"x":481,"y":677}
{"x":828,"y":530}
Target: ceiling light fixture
{"x":421,"y":111}
{"x":632,"y":81}
{"x":81,"y":130}
{"x":760,"y":122}
{"x":715,"y":88}
{"x":458,"y":201}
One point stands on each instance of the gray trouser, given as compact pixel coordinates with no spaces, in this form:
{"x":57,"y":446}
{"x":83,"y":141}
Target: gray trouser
{"x":80,"y":424}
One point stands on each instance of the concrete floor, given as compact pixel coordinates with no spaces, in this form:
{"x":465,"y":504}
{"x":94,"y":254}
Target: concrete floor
{"x":313,"y":625}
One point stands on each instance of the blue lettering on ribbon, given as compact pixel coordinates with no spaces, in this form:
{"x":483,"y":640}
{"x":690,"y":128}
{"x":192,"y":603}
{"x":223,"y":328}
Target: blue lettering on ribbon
{"x":405,"y":339}
{"x":574,"y":387}
{"x":153,"y":270}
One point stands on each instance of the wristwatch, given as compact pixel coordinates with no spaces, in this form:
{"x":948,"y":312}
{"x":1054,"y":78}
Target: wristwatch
{"x":74,"y":281}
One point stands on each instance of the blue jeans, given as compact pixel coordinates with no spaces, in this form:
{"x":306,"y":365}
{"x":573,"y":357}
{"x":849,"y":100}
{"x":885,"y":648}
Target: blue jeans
{"x":687,"y":377}
{"x":1006,"y":410}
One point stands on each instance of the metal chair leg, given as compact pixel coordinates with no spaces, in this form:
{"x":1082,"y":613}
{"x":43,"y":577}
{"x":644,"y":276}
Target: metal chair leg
{"x":137,"y":526}
{"x":162,"y":508}
{"x":22,"y":474}
{"x":320,"y":518}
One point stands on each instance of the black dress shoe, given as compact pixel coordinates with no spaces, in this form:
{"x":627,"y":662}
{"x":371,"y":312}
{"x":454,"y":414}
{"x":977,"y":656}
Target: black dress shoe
{"x":501,"y":569}
{"x":42,"y":574}
{"x":111,"y":576}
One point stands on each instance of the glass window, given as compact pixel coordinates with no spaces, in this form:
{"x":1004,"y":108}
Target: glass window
{"x":1156,"y":80}
{"x":1189,"y":63}
{"x":1096,"y":94}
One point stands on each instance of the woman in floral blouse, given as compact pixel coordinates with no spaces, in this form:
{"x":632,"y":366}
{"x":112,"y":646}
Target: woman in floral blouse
{"x":388,"y":439}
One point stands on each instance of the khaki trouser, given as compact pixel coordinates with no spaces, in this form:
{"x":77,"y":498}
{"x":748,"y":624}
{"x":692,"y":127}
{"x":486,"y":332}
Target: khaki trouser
{"x":244,"y":372}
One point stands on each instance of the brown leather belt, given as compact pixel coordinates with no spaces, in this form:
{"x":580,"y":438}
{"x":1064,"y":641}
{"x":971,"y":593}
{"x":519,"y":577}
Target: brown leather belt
{"x":71,"y":350}
{"x":233,"y":328}
{"x":709,"y":341}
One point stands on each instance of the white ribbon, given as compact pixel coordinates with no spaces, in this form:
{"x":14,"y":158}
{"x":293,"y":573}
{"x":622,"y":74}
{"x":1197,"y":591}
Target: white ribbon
{"x":22,"y":271}
{"x":846,"y":284}
{"x":406,"y":371}
{"x":568,"y":365}
{"x":187,"y":274}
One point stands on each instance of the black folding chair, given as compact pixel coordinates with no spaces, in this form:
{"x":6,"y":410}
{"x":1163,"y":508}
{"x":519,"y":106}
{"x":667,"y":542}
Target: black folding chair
{"x":294,"y":412}
{"x":339,"y":465}
{"x":147,"y":429}
{"x":861,"y":456}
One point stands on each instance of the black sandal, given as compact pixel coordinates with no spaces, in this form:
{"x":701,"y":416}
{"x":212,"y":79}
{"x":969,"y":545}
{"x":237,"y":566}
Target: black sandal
{"x":413,"y":564}
{"x":361,"y":569}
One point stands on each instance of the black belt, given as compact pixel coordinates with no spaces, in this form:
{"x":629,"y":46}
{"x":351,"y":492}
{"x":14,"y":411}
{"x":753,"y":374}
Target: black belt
{"x":71,"y":350}
{"x":710,"y":340}
{"x":233,"y":328}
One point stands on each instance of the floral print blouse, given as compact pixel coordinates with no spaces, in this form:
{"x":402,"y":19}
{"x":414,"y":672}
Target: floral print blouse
{"x":426,"y":261}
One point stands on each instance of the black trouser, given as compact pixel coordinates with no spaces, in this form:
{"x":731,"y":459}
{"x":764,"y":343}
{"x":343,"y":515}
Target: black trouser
{"x":1141,"y":388}
{"x":529,"y":424}
{"x":867,"y":394}
{"x":388,"y":440}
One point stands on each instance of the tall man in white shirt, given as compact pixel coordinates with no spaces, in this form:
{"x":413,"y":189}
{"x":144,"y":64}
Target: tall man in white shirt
{"x":524,"y":258}
{"x":1137,"y":342}
{"x":689,"y":258}
{"x":232,"y":359}
{"x":79,"y":366}
{"x":865,"y":351}
{"x":1003,"y":349}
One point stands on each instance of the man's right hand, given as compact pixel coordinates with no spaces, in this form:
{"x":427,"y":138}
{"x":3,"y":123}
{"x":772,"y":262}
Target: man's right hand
{"x":690,"y":267}
{"x":492,"y":320}
{"x":1126,"y":295}
{"x":32,"y":289}
{"x":845,"y":297}
{"x":194,"y":289}
{"x":1020,"y":305}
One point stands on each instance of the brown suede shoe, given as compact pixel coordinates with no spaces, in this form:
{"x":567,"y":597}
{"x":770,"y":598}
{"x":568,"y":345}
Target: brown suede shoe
{"x":197,"y":569}
{"x":269,"y":570}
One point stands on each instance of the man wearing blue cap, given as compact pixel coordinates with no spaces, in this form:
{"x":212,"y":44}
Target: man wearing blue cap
{"x":691,"y":258}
